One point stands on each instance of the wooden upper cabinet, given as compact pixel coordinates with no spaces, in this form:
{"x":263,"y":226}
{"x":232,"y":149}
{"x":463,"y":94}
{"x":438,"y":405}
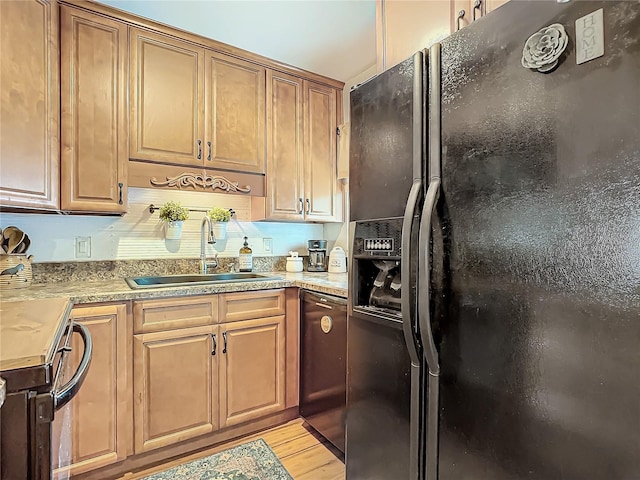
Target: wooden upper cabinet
{"x":405,"y":27}
{"x":174,"y":380}
{"x":167,"y":99}
{"x":100,"y":414}
{"x":320,"y":169}
{"x":284,"y":147}
{"x":252,"y":369}
{"x":94,"y":130}
{"x":234,"y":114}
{"x":491,"y":5}
{"x":29,"y":104}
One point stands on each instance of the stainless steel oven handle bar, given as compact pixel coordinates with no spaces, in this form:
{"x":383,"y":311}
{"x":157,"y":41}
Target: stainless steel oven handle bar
{"x":62,"y":396}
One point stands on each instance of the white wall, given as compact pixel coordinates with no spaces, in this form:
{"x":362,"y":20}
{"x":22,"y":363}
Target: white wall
{"x":140,"y":235}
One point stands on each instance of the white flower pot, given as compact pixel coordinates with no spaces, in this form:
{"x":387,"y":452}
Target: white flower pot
{"x":220,"y":230}
{"x":173,"y":230}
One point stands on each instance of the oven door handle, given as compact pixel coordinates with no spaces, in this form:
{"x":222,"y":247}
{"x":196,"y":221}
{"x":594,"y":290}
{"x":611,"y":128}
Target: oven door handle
{"x":69,"y":390}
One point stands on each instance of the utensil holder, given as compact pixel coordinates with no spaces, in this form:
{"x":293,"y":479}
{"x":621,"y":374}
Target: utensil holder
{"x":15,"y":271}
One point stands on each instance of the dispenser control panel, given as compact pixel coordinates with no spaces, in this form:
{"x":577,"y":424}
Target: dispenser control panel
{"x":381,"y":245}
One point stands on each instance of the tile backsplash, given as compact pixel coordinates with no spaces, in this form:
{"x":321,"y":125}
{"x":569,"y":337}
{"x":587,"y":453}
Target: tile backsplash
{"x":140,"y":235}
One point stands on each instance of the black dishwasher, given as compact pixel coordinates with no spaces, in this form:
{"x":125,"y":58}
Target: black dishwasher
{"x":323,"y":364}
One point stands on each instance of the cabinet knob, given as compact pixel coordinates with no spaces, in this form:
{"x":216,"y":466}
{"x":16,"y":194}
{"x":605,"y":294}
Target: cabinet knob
{"x":199,"y":149}
{"x":120,"y":187}
{"x":224,"y":337}
{"x":215,"y":345}
{"x":209,"y":156}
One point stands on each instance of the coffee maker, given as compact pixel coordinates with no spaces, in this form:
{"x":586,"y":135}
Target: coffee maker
{"x":317,"y":256}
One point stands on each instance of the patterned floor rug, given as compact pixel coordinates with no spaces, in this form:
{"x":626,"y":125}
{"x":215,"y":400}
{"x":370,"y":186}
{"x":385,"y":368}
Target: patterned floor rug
{"x":249,"y":461}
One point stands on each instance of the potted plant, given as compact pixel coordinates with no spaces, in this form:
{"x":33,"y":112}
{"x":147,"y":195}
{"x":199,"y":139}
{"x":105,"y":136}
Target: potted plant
{"x":173,"y":214}
{"x":220,"y":217}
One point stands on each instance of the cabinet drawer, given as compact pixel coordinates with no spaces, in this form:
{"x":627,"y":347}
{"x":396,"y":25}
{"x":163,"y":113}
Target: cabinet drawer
{"x":173,"y":313}
{"x":248,"y":305}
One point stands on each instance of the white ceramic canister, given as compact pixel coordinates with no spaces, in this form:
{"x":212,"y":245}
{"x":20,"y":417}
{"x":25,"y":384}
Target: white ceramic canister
{"x":337,"y":260}
{"x":294,"y":262}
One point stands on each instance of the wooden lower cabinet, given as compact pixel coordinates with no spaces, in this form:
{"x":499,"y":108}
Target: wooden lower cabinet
{"x":252,"y":369}
{"x":175,"y":386}
{"x":94,"y":428}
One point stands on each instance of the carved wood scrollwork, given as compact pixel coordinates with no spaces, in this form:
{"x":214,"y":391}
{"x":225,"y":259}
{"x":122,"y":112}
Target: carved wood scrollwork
{"x":201,"y":180}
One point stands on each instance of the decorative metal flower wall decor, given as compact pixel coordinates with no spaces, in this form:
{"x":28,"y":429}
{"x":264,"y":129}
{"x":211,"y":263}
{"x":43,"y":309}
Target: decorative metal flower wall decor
{"x":543,"y":49}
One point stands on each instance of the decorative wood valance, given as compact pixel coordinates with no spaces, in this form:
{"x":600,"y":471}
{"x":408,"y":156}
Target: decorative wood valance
{"x":202,"y":180}
{"x":173,"y":177}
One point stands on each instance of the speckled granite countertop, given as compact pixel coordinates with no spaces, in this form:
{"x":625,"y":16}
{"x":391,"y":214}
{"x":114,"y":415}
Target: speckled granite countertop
{"x":117,"y":290}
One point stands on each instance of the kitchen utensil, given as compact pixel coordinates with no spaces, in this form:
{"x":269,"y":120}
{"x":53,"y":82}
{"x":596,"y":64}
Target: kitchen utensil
{"x":12,"y":236}
{"x":14,"y":241}
{"x":24,"y":245}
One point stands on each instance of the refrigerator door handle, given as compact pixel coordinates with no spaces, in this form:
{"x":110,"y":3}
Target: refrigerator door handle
{"x":424,"y":268}
{"x":407,"y":297}
{"x":424,"y":279}
{"x":426,"y":332}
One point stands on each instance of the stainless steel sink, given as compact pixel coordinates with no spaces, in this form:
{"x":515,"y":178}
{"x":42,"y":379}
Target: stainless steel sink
{"x":181,"y":280}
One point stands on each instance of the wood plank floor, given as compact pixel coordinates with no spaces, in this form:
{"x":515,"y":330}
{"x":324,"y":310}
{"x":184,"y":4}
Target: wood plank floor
{"x":304,"y":453}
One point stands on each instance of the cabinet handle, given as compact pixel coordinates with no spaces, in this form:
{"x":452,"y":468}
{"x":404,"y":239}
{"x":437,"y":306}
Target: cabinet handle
{"x":301,"y":206}
{"x":224,"y":337}
{"x":215,"y":344}
{"x":308,"y":206}
{"x":477,"y":6}
{"x":461,"y":15}
{"x":120,"y":186}
{"x":209,"y":156}
{"x":199,"y":149}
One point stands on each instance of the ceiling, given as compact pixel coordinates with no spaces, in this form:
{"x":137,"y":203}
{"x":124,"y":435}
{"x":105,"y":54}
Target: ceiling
{"x":335,"y":38}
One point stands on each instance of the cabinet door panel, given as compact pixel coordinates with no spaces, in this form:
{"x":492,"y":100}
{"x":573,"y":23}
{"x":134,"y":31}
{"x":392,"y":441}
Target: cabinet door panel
{"x":174,"y":373}
{"x":491,"y":5}
{"x":412,"y":26}
{"x":94,"y":112}
{"x":252,"y":371}
{"x":29,"y":104}
{"x":284,"y":147}
{"x":234,"y":112}
{"x":98,"y":415}
{"x":167,"y":99}
{"x":320,"y":152}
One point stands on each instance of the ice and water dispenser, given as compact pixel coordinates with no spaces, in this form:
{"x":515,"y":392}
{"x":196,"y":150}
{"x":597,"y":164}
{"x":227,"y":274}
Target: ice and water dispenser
{"x":376,"y":270}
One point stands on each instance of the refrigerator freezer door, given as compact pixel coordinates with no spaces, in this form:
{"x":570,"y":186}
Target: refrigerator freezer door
{"x":538,"y":341}
{"x":378,"y":400}
{"x":386,"y":153}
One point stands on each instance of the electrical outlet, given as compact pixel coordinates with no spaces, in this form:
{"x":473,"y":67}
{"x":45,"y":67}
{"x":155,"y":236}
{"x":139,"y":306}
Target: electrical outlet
{"x":267,"y":245}
{"x":83,"y":247}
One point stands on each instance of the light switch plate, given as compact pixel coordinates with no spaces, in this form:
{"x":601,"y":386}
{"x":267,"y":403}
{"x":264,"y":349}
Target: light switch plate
{"x":267,"y":245}
{"x":83,"y":247}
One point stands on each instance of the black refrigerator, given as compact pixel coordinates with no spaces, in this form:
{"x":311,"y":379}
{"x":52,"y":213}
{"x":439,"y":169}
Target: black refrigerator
{"x":494,"y":311}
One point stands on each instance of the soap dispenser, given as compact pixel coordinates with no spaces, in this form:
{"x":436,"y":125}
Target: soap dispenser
{"x":245,"y":259}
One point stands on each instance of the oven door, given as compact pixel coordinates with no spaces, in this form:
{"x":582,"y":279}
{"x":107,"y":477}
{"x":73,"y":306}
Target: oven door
{"x":27,"y":414}
{"x":72,"y":366}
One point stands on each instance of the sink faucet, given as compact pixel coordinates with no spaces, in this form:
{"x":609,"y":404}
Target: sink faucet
{"x":211,"y":239}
